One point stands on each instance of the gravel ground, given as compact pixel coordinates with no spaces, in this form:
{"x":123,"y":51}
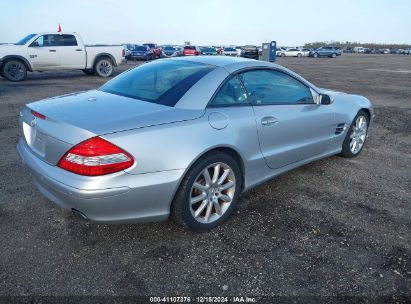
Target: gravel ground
{"x":335,"y":227}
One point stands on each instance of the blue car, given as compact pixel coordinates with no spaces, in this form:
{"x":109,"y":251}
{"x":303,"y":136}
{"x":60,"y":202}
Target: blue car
{"x":209,"y":51}
{"x":141,"y":52}
{"x":325,"y":51}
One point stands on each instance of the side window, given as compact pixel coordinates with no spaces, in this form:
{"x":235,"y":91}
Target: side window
{"x":230,"y":93}
{"x":68,"y":40}
{"x":274,"y":87}
{"x":47,"y":40}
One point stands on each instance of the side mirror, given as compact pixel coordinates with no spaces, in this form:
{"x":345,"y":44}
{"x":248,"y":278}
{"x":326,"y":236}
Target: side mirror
{"x":34,"y":44}
{"x":325,"y":99}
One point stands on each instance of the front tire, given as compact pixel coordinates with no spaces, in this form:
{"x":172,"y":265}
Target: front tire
{"x":315,"y":55}
{"x":14,"y":70}
{"x":103,"y":67}
{"x":298,"y":55}
{"x":334,"y":55}
{"x":356,"y":135}
{"x":208,"y":193}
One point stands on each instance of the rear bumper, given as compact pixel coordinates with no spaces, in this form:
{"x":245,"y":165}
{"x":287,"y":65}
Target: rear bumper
{"x":140,"y":198}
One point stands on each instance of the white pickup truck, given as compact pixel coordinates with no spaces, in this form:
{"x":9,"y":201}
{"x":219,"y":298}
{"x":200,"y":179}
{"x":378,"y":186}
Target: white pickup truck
{"x":57,"y":51}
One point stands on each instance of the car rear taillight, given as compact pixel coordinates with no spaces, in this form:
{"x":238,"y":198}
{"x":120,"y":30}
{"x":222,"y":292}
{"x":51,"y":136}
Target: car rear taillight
{"x":38,"y":115}
{"x":95,"y":156}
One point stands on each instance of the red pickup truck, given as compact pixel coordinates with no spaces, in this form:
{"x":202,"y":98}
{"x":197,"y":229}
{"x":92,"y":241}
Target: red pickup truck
{"x":155,"y":49}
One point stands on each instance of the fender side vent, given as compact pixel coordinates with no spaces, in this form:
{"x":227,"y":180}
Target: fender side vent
{"x":340,"y":128}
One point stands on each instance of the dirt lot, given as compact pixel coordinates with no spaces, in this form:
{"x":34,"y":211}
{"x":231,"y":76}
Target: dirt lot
{"x":336,"y":227}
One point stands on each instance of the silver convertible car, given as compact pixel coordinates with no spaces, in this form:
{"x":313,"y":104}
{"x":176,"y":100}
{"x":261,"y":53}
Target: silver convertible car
{"x":183,"y":137}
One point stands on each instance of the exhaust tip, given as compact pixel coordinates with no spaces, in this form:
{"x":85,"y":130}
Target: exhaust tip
{"x":79,"y":214}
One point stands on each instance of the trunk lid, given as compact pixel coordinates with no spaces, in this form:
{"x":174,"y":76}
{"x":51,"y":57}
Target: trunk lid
{"x":76,"y":117}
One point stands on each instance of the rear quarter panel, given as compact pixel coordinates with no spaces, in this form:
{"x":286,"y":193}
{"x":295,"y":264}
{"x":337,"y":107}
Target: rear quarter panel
{"x":178,"y":145}
{"x":93,"y":52}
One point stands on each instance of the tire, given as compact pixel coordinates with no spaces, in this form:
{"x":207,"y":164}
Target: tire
{"x":315,"y":55}
{"x":88,"y":71}
{"x":103,"y":67}
{"x":282,"y":55}
{"x":334,"y":55}
{"x":14,"y":70}
{"x":347,"y":146}
{"x":213,"y":205}
{"x":298,"y":55}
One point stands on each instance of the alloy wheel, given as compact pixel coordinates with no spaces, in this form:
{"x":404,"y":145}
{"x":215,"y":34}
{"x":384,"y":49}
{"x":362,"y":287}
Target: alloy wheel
{"x":212,"y":192}
{"x":105,"y":68}
{"x":358,"y":134}
{"x":15,"y":70}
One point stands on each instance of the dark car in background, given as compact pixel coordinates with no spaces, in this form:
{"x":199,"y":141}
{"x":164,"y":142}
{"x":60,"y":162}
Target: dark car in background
{"x":155,"y":49}
{"x":209,"y":51}
{"x":191,"y":50}
{"x":250,"y":51}
{"x":170,"y":51}
{"x":326,"y":51}
{"x":141,"y":52}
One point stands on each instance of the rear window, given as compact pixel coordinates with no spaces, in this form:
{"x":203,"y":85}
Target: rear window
{"x":189,"y":47}
{"x":229,"y":49}
{"x":68,"y":40}
{"x":160,"y":82}
{"x":140,"y":48}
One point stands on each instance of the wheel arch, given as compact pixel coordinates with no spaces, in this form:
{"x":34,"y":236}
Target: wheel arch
{"x":16,"y":57}
{"x":224,"y":149}
{"x":104,"y":55}
{"x":366,"y":111}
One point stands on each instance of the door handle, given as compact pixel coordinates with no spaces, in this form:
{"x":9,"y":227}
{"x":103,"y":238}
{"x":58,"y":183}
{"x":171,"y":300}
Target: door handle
{"x":269,"y":121}
{"x":78,"y":50}
{"x":52,"y":50}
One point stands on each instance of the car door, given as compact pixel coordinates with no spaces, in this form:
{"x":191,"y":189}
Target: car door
{"x":72,"y":56}
{"x":291,"y":126}
{"x":43,"y":52}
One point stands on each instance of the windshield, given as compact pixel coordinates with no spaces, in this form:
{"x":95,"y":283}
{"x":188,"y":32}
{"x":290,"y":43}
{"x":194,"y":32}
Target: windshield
{"x":140,"y":48}
{"x":160,"y":82}
{"x":209,"y":50}
{"x":229,"y":49}
{"x":25,"y":39}
{"x":169,"y":48}
{"x":189,"y":47}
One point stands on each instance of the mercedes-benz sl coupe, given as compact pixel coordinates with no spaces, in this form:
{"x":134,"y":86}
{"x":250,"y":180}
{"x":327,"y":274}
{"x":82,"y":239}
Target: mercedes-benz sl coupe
{"x":183,"y":137}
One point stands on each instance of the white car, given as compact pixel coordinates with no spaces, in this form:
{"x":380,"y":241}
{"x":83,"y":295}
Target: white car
{"x":230,"y":51}
{"x":292,"y":53}
{"x":359,"y":50}
{"x":57,"y":51}
{"x":279,"y":51}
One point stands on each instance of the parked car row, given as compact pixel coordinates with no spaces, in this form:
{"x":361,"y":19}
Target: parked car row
{"x":324,"y":51}
{"x":363,"y":50}
{"x":150,"y":51}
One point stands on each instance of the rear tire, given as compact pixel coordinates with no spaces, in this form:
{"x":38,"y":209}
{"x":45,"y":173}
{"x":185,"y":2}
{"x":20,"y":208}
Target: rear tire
{"x":202,"y":203}
{"x":315,"y":55}
{"x":334,"y":55}
{"x":298,"y":55}
{"x":103,"y":67}
{"x":14,"y":70}
{"x":356,"y":135}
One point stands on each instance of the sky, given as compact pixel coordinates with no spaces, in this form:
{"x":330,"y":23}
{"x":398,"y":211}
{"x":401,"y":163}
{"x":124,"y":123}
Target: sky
{"x":211,"y":22}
